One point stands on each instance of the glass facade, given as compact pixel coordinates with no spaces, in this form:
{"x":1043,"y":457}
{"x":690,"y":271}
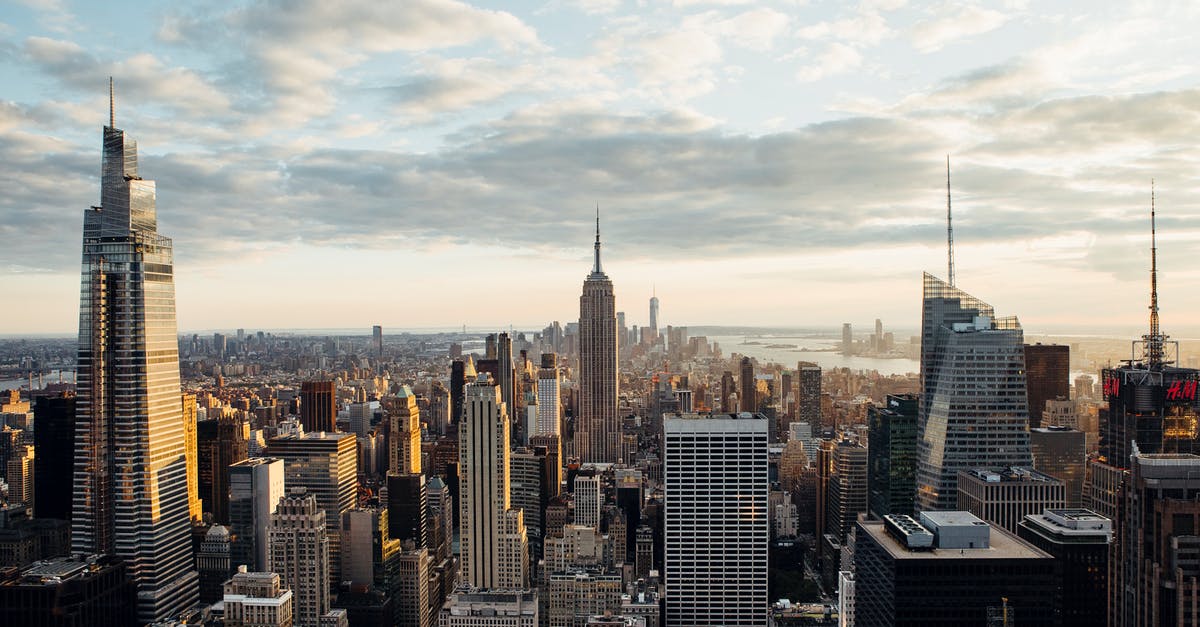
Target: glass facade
{"x":974,"y":410}
{"x":131,"y":494}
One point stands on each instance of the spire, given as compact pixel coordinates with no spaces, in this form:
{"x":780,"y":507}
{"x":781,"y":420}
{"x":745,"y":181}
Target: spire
{"x":1155,"y":340}
{"x":596,"y":266}
{"x":949,"y":229}
{"x":112,"y":116}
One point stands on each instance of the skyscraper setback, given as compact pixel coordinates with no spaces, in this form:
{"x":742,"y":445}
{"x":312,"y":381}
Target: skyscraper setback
{"x":131,"y":496}
{"x":598,"y":432}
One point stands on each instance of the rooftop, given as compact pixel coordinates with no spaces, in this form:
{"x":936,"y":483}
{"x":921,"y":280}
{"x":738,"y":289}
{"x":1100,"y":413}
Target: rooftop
{"x":1001,"y":545}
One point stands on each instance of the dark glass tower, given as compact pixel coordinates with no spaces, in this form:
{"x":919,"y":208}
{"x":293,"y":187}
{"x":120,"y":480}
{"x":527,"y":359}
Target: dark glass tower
{"x":1047,"y":377}
{"x":892,"y":456}
{"x":54,"y":454}
{"x":131,"y":496}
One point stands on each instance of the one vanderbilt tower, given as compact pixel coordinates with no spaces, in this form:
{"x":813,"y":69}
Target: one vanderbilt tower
{"x":598,"y":432}
{"x":131,"y":495}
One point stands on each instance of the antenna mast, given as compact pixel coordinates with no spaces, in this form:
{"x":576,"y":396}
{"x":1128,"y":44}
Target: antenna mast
{"x":112,"y":116}
{"x":1155,"y":340}
{"x":949,"y":228}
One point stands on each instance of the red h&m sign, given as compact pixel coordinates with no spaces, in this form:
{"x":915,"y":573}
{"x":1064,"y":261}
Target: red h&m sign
{"x":1112,"y":386}
{"x":1181,"y":391}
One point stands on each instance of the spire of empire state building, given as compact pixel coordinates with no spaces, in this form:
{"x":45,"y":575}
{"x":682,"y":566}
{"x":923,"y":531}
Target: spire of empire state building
{"x":598,"y":430}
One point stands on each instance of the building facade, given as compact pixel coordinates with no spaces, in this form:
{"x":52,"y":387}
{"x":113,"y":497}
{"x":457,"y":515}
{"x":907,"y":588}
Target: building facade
{"x":892,"y":456}
{"x":597,"y":425}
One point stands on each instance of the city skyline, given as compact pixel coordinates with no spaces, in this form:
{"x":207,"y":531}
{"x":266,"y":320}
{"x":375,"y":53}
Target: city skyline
{"x":776,"y":146}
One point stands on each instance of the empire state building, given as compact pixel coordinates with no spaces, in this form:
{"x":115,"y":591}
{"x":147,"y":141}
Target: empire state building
{"x":131,"y":497}
{"x":598,"y":430}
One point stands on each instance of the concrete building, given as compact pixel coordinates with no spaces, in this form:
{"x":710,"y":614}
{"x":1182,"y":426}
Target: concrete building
{"x":1004,"y":496}
{"x":574,"y":595}
{"x":300,"y":554}
{"x":597,"y":425}
{"x":588,"y":498}
{"x":716,"y":532}
{"x":213,"y":563}
{"x":495,"y":608}
{"x":549,"y":402}
{"x":257,"y":599}
{"x":1079,"y":540}
{"x":404,"y":443}
{"x":255,"y":487}
{"x":950,"y":569}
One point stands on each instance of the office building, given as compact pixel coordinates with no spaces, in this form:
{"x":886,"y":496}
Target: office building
{"x":529,"y":492}
{"x":405,"y":437}
{"x":257,"y":599}
{"x":131,"y":499}
{"x":54,"y":455}
{"x":1078,"y":539}
{"x":407,"y":505}
{"x":654,"y":317}
{"x":549,"y":403}
{"x":490,"y":608}
{"x":808,"y":397}
{"x":69,"y":591}
{"x":377,"y":341}
{"x":255,"y":487}
{"x":412,"y":589}
{"x":747,"y":387}
{"x":974,"y":410}
{"x":458,"y":382}
{"x":553,"y":446}
{"x":506,"y":375}
{"x":950,"y":569}
{"x":1154,"y":576}
{"x":191,"y":449}
{"x":221,"y":442}
{"x":571,"y":596}
{"x":318,"y":405}
{"x":486,"y":525}
{"x":716,"y":530}
{"x":1047,"y":377}
{"x":213,"y":563}
{"x":1061,"y":452}
{"x":588,"y":499}
{"x":847,"y":491}
{"x":326,"y":465}
{"x":847,"y":340}
{"x":597,"y":425}
{"x":1004,"y":496}
{"x":371,"y":557}
{"x":892,"y":455}
{"x":300,"y":554}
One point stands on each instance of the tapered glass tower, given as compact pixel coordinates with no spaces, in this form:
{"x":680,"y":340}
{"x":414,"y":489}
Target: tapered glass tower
{"x":598,"y":431}
{"x":131,"y":495}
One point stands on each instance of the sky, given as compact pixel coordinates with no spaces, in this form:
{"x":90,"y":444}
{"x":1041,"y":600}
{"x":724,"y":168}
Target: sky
{"x":431,"y":163}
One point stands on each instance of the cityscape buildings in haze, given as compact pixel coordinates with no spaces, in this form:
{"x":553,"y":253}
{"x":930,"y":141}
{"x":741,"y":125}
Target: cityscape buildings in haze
{"x":131,"y":493}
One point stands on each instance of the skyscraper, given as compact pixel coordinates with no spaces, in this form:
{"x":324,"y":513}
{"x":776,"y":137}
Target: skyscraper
{"x":715,"y":479}
{"x":405,"y":440}
{"x":191,"y":456}
{"x":1047,"y":377}
{"x":654,"y":316}
{"x":54,"y":452}
{"x":377,"y":340}
{"x":747,"y":390}
{"x":973,"y":410}
{"x":598,"y":428}
{"x":549,"y":404}
{"x":318,"y":405}
{"x":300,"y":554}
{"x":808,"y":400}
{"x":505,"y":376}
{"x":255,"y":487}
{"x":487,"y":531}
{"x":131,"y":495}
{"x":220,"y":442}
{"x":892,"y":456}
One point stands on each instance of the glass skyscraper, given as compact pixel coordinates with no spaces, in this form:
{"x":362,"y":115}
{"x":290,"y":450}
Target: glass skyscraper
{"x":131,"y":494}
{"x":973,"y":409}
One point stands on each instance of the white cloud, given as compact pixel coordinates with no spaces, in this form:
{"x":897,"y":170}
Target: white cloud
{"x":933,"y":35}
{"x":838,"y":58}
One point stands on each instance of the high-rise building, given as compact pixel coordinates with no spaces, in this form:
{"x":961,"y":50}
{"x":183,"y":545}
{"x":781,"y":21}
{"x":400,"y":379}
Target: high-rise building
{"x":93,"y":590}
{"x":549,"y":403}
{"x":1047,"y":377}
{"x":973,"y":409}
{"x":257,"y":599}
{"x":318,"y":405}
{"x":588,"y":499}
{"x":747,"y":387}
{"x":847,"y":340}
{"x":371,"y":557}
{"x":892,"y":455}
{"x":221,"y":442}
{"x":300,"y":554}
{"x":54,"y":452}
{"x":505,"y":374}
{"x":486,"y":531}
{"x":326,"y":465}
{"x":130,"y":494}
{"x":407,"y":504}
{"x":597,"y":425}
{"x":191,"y":448}
{"x":413,"y":588}
{"x":458,"y":381}
{"x":377,"y":340}
{"x":1078,"y":539}
{"x":529,"y":492}
{"x":1061,"y":452}
{"x":716,"y":533}
{"x":847,"y":495}
{"x":213,"y":562}
{"x":1154,"y":572}
{"x":949,"y":569}
{"x":1004,"y":496}
{"x":654,"y":317}
{"x":808,"y":398}
{"x":405,"y":440}
{"x":255,"y":487}
{"x":728,"y":393}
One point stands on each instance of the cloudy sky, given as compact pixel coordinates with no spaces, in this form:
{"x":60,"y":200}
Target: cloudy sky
{"x":431,"y":163}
